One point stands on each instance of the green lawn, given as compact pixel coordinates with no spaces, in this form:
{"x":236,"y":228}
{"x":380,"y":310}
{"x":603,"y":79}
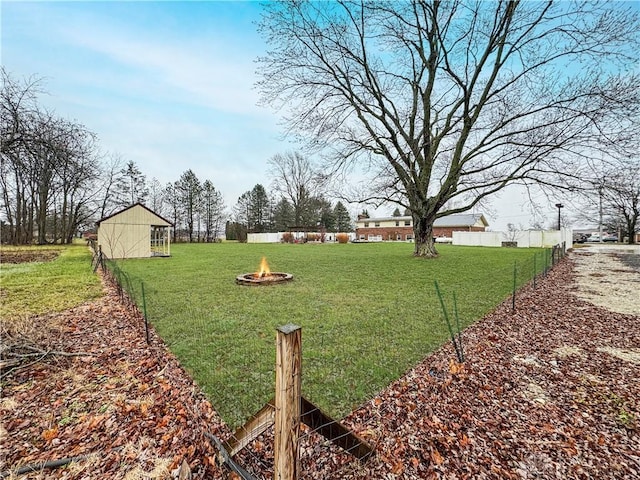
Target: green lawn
{"x":368,"y":312}
{"x":35,"y":288}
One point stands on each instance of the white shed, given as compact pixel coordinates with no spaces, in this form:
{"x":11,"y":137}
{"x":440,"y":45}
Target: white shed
{"x":134,"y":232}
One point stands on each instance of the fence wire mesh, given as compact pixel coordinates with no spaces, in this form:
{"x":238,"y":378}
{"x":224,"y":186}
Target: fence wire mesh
{"x":326,"y":447}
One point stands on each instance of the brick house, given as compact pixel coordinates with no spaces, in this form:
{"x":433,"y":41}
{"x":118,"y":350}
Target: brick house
{"x":401,"y":228}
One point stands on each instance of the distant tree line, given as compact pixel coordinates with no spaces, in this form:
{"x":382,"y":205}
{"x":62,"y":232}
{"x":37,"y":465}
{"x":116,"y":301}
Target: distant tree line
{"x":55,"y":182}
{"x":297,"y":203}
{"x":256,"y":212}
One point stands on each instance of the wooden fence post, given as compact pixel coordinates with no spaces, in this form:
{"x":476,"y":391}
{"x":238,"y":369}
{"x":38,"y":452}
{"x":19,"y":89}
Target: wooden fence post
{"x":287,"y":402}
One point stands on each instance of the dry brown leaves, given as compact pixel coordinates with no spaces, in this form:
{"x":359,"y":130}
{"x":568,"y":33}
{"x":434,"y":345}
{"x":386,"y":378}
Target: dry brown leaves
{"x":540,"y":396}
{"x":548,"y":392}
{"x":128,"y":404}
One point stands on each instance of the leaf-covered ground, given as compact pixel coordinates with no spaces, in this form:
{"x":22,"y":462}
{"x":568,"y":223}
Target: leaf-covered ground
{"x":130,"y":407}
{"x":550,"y":391}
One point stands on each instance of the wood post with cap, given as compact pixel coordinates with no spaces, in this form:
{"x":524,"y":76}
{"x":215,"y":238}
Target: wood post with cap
{"x":287,"y":402}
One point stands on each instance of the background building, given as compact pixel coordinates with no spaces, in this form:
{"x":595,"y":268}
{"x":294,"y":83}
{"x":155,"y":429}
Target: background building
{"x":401,"y":228}
{"x":134,"y":232}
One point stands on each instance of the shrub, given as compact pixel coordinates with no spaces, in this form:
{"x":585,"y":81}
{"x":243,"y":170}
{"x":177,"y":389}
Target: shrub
{"x":287,"y":237}
{"x":342,"y":237}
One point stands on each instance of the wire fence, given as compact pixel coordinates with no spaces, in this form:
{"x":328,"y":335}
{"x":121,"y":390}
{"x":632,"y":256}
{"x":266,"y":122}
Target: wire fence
{"x":131,"y":292}
{"x":308,"y":443}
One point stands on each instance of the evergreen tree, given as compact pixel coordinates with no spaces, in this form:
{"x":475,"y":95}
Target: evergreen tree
{"x":242,"y":210}
{"x":236,"y":231}
{"x":342,"y":218}
{"x":259,"y":210}
{"x":189,"y":192}
{"x":131,"y":185}
{"x":212,"y":210}
{"x":283,"y":215}
{"x":324,"y":213}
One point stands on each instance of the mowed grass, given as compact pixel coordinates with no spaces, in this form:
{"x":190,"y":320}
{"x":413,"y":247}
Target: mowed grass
{"x":36,"y":288}
{"x":368,"y":313}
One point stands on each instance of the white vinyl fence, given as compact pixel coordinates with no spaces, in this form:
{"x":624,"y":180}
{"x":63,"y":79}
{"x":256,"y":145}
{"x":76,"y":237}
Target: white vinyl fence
{"x":329,"y":237}
{"x":264,"y":237}
{"x":523,"y":238}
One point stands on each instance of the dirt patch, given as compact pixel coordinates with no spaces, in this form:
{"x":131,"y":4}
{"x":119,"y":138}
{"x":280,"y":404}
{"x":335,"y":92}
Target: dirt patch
{"x":567,"y":351}
{"x":629,"y":355}
{"x":603,"y":280}
{"x":28,"y":256}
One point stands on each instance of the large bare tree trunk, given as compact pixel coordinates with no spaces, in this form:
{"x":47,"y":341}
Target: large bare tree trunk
{"x":425,"y":245}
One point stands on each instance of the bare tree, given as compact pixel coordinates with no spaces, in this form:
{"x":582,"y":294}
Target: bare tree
{"x":155,"y":196}
{"x":111,"y":168}
{"x":48,"y":168}
{"x":19,"y":119}
{"x":453,"y":99}
{"x":297,"y":180}
{"x":171,"y":199}
{"x":622,"y":195}
{"x":18,"y":106}
{"x":77,"y":171}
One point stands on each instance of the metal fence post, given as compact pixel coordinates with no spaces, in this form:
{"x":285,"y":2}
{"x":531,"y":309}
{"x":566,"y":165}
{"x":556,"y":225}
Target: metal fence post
{"x":144,"y":309}
{"x":513,"y":297}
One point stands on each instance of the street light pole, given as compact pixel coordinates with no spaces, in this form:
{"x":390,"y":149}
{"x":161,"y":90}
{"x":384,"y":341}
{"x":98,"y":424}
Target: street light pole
{"x":559,"y":206}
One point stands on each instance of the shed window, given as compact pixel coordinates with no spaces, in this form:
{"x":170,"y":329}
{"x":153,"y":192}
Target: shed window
{"x":407,"y":223}
{"x":377,"y":224}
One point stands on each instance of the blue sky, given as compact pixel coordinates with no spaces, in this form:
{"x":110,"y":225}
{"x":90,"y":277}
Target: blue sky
{"x":168,"y":85}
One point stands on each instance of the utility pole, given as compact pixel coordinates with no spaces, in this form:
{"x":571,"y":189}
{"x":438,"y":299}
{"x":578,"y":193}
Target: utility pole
{"x":559,"y":206}
{"x":600,"y":188}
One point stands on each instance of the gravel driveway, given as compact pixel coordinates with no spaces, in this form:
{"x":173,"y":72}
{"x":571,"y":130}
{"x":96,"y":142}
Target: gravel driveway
{"x":609,"y":276}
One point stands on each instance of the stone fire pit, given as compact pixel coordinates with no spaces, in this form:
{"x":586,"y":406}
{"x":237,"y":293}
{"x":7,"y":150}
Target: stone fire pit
{"x":265,"y":279}
{"x":264,"y":276}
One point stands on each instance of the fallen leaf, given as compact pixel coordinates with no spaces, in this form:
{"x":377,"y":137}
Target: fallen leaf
{"x":436,"y":457}
{"x":50,"y":434}
{"x":397,"y":468}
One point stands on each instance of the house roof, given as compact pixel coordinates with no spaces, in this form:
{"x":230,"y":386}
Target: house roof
{"x":130,"y":207}
{"x":455,"y":220}
{"x":461,"y":219}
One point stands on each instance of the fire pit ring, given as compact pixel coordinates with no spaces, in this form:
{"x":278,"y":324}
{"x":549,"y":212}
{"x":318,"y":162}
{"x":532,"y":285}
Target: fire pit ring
{"x":265,"y":279}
